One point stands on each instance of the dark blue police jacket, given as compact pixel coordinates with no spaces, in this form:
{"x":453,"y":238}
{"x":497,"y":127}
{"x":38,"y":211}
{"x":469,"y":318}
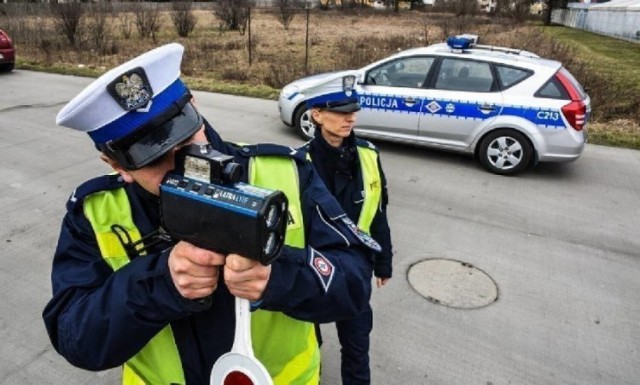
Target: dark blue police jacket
{"x":98,"y":319}
{"x":341,"y":172}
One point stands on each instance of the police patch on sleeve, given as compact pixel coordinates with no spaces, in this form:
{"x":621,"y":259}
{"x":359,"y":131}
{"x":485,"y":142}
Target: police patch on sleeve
{"x":322,"y":267}
{"x":362,"y":236}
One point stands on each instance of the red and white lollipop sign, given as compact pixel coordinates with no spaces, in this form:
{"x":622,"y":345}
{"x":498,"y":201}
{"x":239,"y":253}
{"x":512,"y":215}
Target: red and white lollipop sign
{"x":239,"y":366}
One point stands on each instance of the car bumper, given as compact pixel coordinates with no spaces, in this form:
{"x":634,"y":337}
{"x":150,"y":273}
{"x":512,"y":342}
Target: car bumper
{"x":562,"y":145}
{"x":286,"y":108}
{"x":7,"y":55}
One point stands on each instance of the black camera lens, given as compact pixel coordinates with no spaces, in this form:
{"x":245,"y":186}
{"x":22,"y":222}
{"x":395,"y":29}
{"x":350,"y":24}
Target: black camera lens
{"x":273,"y":217}
{"x":271,"y":244}
{"x":232,"y":172}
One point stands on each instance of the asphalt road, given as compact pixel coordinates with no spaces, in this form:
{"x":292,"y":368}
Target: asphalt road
{"x":560,"y":241}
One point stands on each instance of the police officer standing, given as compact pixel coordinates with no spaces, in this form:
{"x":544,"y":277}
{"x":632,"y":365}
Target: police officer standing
{"x":125,"y":295}
{"x":350,"y":168}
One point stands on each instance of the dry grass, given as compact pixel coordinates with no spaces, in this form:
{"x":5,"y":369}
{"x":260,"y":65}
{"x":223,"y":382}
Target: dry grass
{"x":336,"y":41}
{"x":616,"y":133}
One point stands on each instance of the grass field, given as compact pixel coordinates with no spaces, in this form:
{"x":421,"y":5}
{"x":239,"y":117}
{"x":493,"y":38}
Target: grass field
{"x":618,"y":58}
{"x":617,"y":62}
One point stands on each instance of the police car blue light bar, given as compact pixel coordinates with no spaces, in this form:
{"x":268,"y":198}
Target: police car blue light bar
{"x":462,"y":42}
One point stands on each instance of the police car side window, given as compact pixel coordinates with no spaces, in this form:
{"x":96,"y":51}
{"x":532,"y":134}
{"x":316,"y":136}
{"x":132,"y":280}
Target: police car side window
{"x":404,"y":72}
{"x":510,"y":76}
{"x":464,"y":75}
{"x":553,"y":90}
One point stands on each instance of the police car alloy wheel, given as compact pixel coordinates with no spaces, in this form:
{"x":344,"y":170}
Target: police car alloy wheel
{"x":505,"y":152}
{"x":304,"y":126}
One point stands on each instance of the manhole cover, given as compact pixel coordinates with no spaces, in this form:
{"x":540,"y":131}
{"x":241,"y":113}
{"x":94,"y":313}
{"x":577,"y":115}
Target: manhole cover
{"x":452,"y":283}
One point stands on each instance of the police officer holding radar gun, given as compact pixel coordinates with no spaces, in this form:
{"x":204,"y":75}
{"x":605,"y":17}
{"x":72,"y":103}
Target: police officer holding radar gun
{"x":149,"y":258}
{"x":350,"y":168}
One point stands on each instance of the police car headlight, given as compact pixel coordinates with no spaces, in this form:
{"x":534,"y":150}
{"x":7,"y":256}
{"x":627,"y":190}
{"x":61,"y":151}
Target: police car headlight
{"x":288,"y":91}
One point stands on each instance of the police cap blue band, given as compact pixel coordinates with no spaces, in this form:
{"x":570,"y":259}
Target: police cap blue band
{"x":133,"y":119}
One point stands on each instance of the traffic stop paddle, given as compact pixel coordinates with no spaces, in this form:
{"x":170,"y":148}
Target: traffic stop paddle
{"x":239,"y":366}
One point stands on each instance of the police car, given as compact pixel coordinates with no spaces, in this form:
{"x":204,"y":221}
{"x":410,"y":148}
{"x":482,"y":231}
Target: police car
{"x":510,"y":108}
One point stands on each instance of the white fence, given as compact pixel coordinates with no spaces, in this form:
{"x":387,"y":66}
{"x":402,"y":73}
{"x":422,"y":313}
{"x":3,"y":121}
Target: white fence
{"x":622,"y":22}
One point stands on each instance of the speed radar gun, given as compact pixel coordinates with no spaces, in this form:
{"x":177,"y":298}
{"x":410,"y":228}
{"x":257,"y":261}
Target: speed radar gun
{"x":202,"y":202}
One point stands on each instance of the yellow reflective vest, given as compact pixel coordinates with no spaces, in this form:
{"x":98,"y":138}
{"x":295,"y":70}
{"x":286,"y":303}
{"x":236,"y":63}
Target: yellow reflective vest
{"x":287,"y":347}
{"x":159,"y":361}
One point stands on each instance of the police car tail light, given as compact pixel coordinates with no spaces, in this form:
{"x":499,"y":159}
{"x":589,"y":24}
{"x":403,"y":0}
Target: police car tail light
{"x":575,"y":113}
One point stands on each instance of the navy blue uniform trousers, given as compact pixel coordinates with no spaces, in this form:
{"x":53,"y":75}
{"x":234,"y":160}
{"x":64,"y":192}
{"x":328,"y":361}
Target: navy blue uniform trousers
{"x":353,"y":334}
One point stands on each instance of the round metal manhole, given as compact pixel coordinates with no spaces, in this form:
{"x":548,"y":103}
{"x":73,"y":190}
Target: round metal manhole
{"x":453,"y":283}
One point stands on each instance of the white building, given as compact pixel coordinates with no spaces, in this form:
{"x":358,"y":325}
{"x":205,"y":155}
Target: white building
{"x":616,"y":18}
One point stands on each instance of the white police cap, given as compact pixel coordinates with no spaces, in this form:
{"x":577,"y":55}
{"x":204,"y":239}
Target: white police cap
{"x":336,"y":93}
{"x":137,"y":111}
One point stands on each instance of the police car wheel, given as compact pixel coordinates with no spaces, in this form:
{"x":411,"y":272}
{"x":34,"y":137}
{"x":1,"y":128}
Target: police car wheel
{"x":303,"y":124}
{"x":505,"y":152}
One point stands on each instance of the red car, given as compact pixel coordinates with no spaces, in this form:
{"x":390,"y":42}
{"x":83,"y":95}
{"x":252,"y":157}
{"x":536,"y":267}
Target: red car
{"x":7,"y":52}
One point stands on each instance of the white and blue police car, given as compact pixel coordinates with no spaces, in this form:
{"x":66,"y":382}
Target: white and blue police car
{"x":510,"y":108}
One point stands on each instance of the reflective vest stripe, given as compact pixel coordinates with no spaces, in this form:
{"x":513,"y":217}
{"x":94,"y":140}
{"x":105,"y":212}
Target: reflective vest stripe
{"x":159,"y":361}
{"x":372,"y":184}
{"x":104,"y":209}
{"x":288,"y":348}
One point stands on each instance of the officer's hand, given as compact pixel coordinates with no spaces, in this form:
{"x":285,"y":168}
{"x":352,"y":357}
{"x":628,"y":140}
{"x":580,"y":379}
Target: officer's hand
{"x":381,"y":281}
{"x":194,"y":271}
{"x":246,"y":278}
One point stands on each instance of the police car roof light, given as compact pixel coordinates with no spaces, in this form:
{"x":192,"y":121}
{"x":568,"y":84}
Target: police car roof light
{"x":462,"y":42}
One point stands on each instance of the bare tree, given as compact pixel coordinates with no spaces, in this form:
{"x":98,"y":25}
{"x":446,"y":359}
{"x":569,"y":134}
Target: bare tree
{"x":463,"y":7}
{"x":99,"y":28}
{"x":502,"y":8}
{"x":445,"y":27}
{"x":520,"y":9}
{"x":68,"y":17}
{"x":286,"y":10}
{"x":126,"y":24}
{"x":233,"y":14}
{"x":147,"y":19}
{"x":182,"y":16}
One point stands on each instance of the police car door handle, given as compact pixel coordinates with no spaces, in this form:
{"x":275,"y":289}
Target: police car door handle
{"x":487,"y":108}
{"x":410,"y":101}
